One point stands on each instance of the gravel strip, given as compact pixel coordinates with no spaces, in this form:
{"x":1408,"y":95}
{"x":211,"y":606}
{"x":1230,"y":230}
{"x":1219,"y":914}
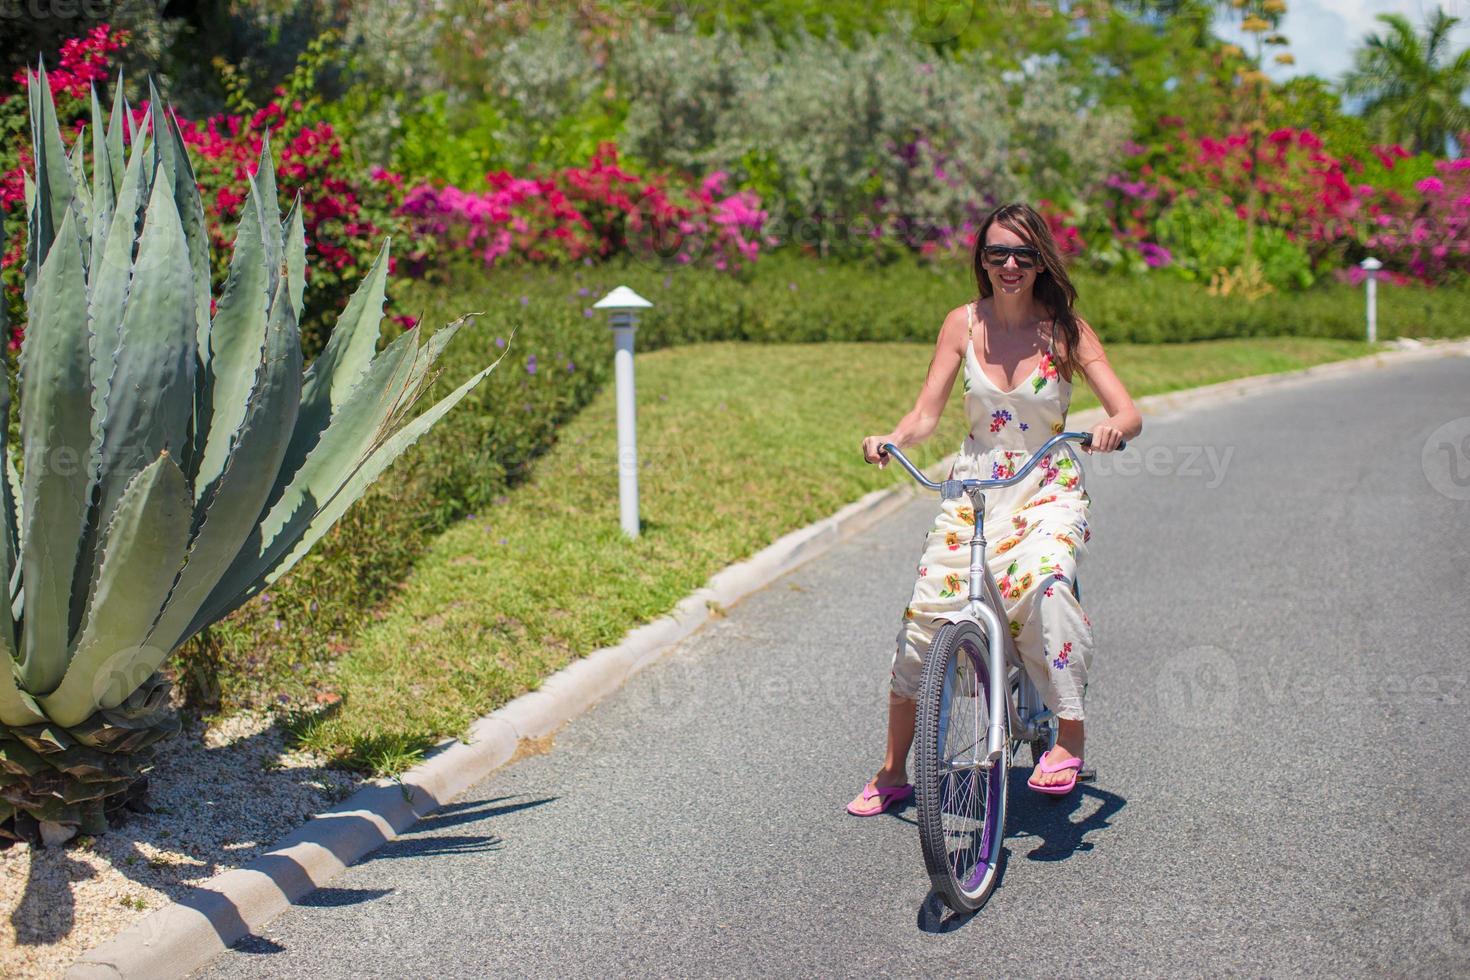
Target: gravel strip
{"x":223,"y":794}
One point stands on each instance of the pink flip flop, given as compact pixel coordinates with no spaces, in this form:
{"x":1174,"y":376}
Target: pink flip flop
{"x":886,"y":796}
{"x":1059,"y":789}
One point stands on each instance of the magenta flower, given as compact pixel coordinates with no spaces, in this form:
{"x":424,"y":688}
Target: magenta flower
{"x":1156,"y":256}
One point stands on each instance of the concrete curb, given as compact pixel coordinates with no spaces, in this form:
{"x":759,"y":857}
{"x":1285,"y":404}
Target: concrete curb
{"x":183,"y":937}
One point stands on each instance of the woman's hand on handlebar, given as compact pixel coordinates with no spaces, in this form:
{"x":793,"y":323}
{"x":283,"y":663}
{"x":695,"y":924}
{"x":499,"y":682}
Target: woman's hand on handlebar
{"x":1105,"y":438}
{"x":873,"y":450}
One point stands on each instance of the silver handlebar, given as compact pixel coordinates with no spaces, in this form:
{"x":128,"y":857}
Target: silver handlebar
{"x":1085,"y":438}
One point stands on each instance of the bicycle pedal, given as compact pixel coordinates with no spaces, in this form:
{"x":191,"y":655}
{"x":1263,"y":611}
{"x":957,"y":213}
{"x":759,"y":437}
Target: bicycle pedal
{"x":1086,"y":774}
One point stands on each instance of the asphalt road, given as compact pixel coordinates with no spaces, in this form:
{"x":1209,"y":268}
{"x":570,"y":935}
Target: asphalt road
{"x":1281,"y":597}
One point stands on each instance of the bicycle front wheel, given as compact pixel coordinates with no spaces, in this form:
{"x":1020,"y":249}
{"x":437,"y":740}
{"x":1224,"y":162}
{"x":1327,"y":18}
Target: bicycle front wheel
{"x":961,"y":800}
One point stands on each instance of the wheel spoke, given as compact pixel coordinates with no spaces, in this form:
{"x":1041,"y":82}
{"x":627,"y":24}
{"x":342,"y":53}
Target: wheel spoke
{"x":959,"y":800}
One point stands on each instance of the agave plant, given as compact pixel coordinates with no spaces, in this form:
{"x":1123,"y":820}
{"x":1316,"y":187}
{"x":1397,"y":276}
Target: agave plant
{"x":174,"y":457}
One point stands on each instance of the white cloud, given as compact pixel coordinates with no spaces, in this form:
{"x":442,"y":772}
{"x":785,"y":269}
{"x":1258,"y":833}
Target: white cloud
{"x":1324,"y":33}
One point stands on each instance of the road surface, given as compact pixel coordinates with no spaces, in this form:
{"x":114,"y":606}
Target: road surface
{"x":1280,"y":588}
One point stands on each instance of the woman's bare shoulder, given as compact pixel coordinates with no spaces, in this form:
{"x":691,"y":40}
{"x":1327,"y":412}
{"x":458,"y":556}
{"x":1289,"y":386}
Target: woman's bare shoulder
{"x":955,"y":331}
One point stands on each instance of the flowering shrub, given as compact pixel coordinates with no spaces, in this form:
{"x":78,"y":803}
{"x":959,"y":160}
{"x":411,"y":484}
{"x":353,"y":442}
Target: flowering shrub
{"x":1310,"y":210}
{"x":1433,"y":241}
{"x":1199,"y":237}
{"x":83,"y":60}
{"x":345,"y":215}
{"x":596,"y":211}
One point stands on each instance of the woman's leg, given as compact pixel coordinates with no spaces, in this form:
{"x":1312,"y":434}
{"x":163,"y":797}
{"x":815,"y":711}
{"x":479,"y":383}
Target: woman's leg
{"x":901,"y":713}
{"x":894,"y":771}
{"x":1067,"y":646}
{"x":1070,"y":739}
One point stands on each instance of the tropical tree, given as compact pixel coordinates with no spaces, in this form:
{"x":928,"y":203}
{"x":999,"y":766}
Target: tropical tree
{"x":174,"y":458}
{"x":1412,"y":85}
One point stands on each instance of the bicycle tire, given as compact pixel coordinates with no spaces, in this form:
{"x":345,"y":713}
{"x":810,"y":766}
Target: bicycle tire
{"x":961,"y":809}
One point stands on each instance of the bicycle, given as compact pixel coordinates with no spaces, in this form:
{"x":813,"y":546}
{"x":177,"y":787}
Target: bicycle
{"x":972,"y":665}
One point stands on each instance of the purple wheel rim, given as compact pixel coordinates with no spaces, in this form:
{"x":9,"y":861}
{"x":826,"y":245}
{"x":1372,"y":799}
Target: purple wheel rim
{"x":990,"y":832}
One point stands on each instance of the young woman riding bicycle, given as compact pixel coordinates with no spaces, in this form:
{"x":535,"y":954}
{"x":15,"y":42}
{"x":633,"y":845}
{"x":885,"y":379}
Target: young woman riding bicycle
{"x":1021,"y":345}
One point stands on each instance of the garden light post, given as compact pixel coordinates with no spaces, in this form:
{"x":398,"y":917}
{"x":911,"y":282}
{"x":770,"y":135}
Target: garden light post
{"x":1371,"y":266}
{"x":622,"y":305}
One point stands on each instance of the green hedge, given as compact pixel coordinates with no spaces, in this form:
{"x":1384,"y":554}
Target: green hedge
{"x":488,"y":442}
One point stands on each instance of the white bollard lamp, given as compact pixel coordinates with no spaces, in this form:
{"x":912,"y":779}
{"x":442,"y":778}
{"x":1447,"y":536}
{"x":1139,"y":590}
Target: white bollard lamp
{"x":622,"y":305}
{"x":1371,"y":266}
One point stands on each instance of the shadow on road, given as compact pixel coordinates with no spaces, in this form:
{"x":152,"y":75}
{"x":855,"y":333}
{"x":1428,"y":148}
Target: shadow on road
{"x":421,"y":840}
{"x":1050,"y":819}
{"x":1029,"y":814}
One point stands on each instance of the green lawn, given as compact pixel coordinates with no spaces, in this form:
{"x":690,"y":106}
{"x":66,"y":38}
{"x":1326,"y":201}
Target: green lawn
{"x":738,"y":443}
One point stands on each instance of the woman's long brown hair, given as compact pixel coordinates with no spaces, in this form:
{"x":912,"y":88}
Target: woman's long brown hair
{"x":1053,"y":288}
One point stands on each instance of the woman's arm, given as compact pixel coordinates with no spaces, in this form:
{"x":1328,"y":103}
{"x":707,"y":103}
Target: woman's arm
{"x":1124,"y":420}
{"x":921,"y":421}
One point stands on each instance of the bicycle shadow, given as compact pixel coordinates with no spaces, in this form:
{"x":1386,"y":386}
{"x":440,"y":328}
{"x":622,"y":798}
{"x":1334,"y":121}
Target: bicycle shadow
{"x":1051,"y":819}
{"x":1030,"y":814}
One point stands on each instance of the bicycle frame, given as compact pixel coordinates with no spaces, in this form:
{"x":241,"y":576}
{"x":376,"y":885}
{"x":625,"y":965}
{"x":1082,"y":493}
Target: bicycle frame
{"x":983,"y":603}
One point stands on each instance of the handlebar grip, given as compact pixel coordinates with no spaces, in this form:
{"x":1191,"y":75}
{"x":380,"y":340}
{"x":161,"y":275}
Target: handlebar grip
{"x":1087,"y":442}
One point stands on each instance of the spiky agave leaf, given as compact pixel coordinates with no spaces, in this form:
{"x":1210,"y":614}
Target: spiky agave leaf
{"x":207,"y":462}
{"x":55,"y":429}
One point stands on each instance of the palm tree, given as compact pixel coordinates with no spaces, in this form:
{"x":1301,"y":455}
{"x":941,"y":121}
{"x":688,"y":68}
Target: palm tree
{"x":1412,"y":85}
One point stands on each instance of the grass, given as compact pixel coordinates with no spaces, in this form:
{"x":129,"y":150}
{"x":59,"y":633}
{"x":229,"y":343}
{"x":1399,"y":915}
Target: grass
{"x":738,"y":444}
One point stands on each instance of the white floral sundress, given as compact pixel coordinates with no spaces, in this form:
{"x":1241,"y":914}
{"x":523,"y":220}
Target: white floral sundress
{"x":1036,"y":533}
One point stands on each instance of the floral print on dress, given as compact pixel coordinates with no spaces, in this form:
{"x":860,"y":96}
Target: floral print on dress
{"x":1009,"y":589}
{"x":1048,"y":373}
{"x":952,"y":585}
{"x":1067,"y":478}
{"x":1005,"y":467}
{"x":1036,"y":528}
{"x":1049,"y":470}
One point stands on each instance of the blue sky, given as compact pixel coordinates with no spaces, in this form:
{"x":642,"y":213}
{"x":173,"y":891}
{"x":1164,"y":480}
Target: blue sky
{"x":1324,"y":33}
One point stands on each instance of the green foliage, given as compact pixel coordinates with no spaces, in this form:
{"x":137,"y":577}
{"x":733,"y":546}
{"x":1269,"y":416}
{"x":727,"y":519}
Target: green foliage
{"x":845,"y":137}
{"x":1207,"y":235}
{"x":1413,"y":85}
{"x":548,"y":106}
{"x":431,"y":147}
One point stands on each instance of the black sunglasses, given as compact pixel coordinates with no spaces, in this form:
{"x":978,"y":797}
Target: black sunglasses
{"x":995,"y":256}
